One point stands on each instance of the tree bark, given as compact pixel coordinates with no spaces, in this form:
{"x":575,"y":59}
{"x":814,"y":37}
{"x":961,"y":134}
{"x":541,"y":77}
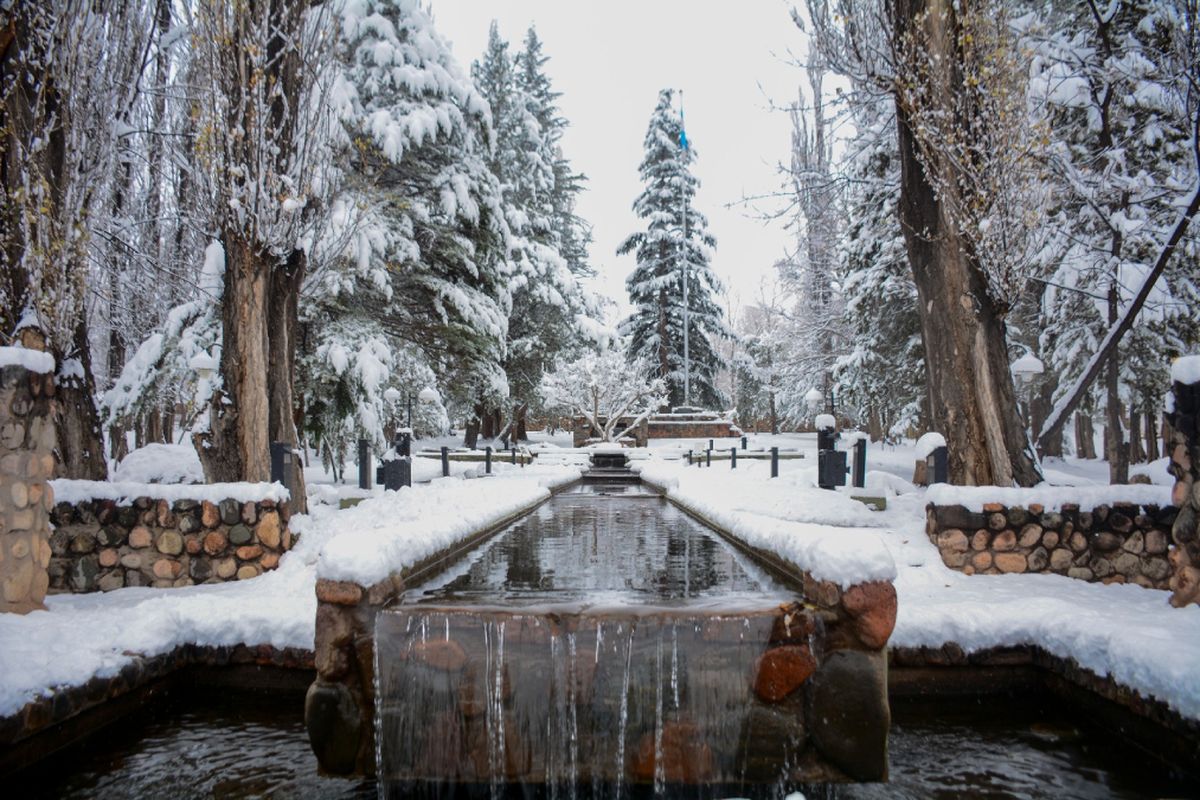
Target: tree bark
{"x":80,"y":440}
{"x":1085,"y":436}
{"x":1151,"y":420}
{"x":970,"y":388}
{"x":283,"y":333}
{"x":236,"y":447}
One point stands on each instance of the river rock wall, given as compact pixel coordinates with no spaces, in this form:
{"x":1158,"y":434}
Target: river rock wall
{"x":103,"y":544}
{"x":1121,"y":543}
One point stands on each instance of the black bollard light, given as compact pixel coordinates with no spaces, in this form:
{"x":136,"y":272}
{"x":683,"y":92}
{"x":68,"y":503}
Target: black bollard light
{"x":774,"y":462}
{"x":445,"y":462}
{"x":487,"y":460}
{"x":514,"y":455}
{"x":733,"y":458}
{"x":708,"y":457}
{"x":743,"y":442}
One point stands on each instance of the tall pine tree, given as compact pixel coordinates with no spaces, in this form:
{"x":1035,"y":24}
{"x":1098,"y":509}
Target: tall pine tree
{"x":656,"y":285}
{"x":536,"y":183}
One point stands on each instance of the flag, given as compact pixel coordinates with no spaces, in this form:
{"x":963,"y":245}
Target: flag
{"x":683,"y":140}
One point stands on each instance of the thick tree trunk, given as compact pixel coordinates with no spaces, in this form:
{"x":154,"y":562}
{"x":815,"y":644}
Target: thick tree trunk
{"x":970,"y":388}
{"x":80,"y":440}
{"x":236,"y":447}
{"x":471,"y":435}
{"x":521,"y":423}
{"x":1136,"y":453}
{"x":1039,"y":409}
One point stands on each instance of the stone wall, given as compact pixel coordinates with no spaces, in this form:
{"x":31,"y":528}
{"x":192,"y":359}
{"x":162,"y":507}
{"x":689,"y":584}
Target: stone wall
{"x":1113,"y":544}
{"x":26,"y":464}
{"x":1183,"y":447}
{"x":100,"y":545}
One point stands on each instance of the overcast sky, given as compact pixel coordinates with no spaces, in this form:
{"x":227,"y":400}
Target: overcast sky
{"x":610,"y":59}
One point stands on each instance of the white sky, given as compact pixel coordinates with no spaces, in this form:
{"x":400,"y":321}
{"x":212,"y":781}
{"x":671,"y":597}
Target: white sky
{"x":610,"y":59}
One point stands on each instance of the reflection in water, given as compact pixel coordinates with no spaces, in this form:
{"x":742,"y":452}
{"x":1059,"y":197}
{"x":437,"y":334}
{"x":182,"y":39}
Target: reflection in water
{"x":994,"y":749}
{"x":587,"y":548}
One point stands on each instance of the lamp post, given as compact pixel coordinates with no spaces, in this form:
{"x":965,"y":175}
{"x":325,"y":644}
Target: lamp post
{"x":1024,"y":369}
{"x":204,"y":365}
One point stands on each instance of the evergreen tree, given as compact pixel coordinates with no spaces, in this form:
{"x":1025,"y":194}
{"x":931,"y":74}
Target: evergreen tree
{"x":656,"y":284}
{"x":547,"y":298}
{"x":419,"y":229}
{"x":881,"y":380}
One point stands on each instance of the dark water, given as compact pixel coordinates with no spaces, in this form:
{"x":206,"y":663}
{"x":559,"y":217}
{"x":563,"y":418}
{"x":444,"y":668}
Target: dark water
{"x":587,"y":549}
{"x":234,"y":749}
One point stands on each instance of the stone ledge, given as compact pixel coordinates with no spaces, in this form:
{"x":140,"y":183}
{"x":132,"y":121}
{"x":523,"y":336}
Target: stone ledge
{"x":46,"y":712}
{"x":925,"y":671}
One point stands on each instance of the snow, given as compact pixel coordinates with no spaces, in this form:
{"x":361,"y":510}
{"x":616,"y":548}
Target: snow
{"x":1186,"y":370}
{"x":823,"y":533}
{"x":73,"y":491}
{"x":32,"y":360}
{"x":1028,"y":364}
{"x":160,"y":463}
{"x":825,"y":422}
{"x":389,"y":533}
{"x":928,"y":443}
{"x":1051,"y":497}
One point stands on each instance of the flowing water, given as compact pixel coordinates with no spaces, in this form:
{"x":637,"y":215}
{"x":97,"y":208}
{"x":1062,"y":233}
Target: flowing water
{"x":605,"y":642}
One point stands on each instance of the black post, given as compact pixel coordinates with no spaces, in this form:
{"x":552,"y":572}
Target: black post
{"x":487,"y":460}
{"x":689,"y":458}
{"x":860,"y":463}
{"x":710,"y":444}
{"x":514,"y":455}
{"x":774,"y":462}
{"x":938,"y":465}
{"x":278,"y":451}
{"x":708,"y":457}
{"x":364,"y":464}
{"x":405,"y":452}
{"x":445,"y":462}
{"x":733,"y":458}
{"x":743,"y":442}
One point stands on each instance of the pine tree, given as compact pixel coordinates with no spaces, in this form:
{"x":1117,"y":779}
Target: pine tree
{"x":527,"y":160}
{"x":420,"y":220}
{"x":881,"y":380}
{"x":656,"y":284}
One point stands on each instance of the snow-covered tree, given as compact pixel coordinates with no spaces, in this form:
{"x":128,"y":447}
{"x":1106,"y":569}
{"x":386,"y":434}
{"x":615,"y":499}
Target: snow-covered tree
{"x":672,"y":243}
{"x":426,"y":262}
{"x":536,"y":184}
{"x":1121,"y":109}
{"x":610,"y":392}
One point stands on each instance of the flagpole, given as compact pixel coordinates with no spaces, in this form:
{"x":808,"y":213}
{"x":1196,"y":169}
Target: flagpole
{"x":687,"y":361}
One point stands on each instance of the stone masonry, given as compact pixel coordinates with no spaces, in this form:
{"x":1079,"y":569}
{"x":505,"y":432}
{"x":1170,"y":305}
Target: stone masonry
{"x":100,"y":545}
{"x":26,"y":464}
{"x":1184,"y":450}
{"x":1111,"y":544}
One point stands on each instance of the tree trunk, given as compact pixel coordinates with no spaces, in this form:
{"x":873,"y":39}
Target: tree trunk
{"x":1136,"y":453}
{"x":1114,"y":440}
{"x":1040,"y":408}
{"x":471,"y":436}
{"x":1151,"y":420}
{"x":1085,"y":436}
{"x":521,"y":423}
{"x":80,"y":438}
{"x":236,"y":447}
{"x":966,"y":360}
{"x":283,"y":333}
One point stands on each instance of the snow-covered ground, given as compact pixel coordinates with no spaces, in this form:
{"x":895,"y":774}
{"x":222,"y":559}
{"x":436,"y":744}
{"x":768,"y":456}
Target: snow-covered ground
{"x":1125,"y":631}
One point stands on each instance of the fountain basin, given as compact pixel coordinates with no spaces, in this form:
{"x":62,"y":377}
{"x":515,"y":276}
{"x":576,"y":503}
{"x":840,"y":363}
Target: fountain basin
{"x":607,"y":643}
